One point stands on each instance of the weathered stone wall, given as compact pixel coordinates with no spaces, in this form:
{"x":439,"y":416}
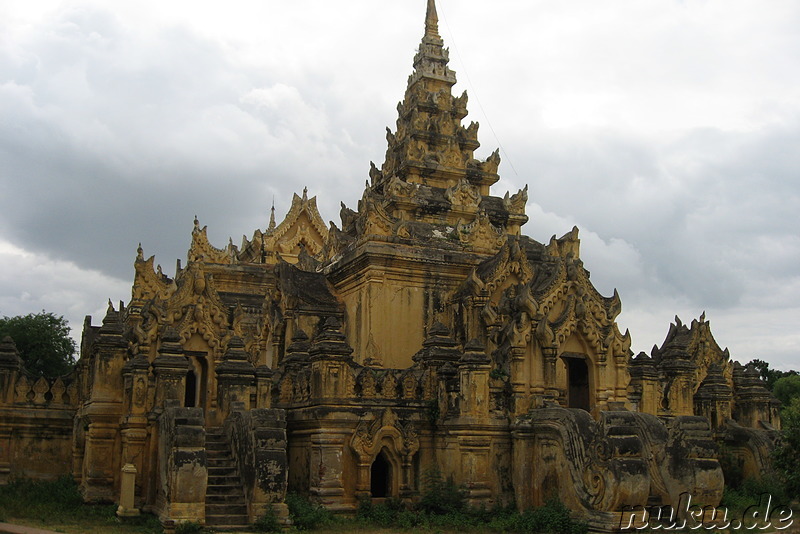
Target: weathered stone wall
{"x":258,"y":443}
{"x":183,"y":468}
{"x":36,"y":420}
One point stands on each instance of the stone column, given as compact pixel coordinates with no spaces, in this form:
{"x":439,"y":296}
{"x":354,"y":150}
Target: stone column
{"x":519,"y":383}
{"x":263,"y":387}
{"x":134,"y":426}
{"x":327,"y":467}
{"x":235,"y":377}
{"x":170,"y":368}
{"x":97,"y":480}
{"x":184,"y":471}
{"x":473,"y":370}
{"x":330,"y":357}
{"x":549,"y":363}
{"x":10,"y":365}
{"x":103,"y":411}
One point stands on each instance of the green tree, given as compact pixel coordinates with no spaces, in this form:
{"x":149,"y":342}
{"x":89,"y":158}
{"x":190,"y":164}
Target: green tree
{"x":770,"y":376}
{"x":43,"y":342}
{"x":787,"y":454}
{"x":787,"y":388}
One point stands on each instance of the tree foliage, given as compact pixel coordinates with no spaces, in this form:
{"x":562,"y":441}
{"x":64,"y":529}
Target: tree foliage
{"x":43,"y":342}
{"x":787,"y":388}
{"x":770,"y":376}
{"x":787,"y":455}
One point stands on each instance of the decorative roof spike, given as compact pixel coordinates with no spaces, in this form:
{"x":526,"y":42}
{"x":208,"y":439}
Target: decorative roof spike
{"x":432,"y":21}
{"x":272,"y":225}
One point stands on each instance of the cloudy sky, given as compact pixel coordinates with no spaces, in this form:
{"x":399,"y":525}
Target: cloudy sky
{"x":667,"y":131}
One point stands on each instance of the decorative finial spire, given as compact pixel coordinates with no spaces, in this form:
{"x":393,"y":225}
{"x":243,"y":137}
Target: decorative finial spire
{"x":271,"y":226}
{"x":431,"y":60}
{"x":431,"y":20}
{"x":305,"y":193}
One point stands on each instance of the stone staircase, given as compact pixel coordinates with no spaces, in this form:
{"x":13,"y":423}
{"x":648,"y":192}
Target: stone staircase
{"x":225,"y":503}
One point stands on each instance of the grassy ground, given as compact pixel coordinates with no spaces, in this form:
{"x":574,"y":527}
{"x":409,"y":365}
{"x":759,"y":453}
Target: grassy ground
{"x":58,"y":506}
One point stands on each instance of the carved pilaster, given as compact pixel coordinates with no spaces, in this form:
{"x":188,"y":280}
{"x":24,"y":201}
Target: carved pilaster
{"x":473,"y":371}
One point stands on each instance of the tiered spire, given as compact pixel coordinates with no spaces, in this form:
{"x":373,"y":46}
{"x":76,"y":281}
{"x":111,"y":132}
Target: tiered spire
{"x":430,"y":141}
{"x":430,"y":174}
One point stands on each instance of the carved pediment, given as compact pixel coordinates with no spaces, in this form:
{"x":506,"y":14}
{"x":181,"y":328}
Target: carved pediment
{"x":302,"y":227}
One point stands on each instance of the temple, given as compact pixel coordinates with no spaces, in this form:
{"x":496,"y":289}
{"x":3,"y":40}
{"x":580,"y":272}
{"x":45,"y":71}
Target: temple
{"x":344,"y":361}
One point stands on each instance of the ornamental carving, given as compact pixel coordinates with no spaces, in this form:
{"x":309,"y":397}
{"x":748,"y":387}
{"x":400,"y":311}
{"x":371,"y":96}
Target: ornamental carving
{"x":369,"y":435}
{"x":481,"y":233}
{"x":463,"y":194}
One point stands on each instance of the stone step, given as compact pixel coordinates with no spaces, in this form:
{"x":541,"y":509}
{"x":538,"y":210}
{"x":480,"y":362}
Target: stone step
{"x":225,"y":509}
{"x":217,"y":461}
{"x":225,"y":500}
{"x":221,"y":470}
{"x":232,"y":498}
{"x":229,"y":489}
{"x":223,"y":480}
{"x":219,"y":455}
{"x":224,"y":522}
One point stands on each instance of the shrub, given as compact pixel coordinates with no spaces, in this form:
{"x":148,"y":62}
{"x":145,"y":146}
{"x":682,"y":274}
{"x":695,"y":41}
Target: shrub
{"x":188,"y":527}
{"x":751,"y":490}
{"x":305,"y":514}
{"x":786,"y":456}
{"x":267,"y":522}
{"x":552,"y":518}
{"x":385,"y":514}
{"x":440,"y":496}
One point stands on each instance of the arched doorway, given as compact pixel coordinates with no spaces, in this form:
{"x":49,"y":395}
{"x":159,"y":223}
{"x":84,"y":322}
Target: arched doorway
{"x":380,"y":477}
{"x":577,"y":382}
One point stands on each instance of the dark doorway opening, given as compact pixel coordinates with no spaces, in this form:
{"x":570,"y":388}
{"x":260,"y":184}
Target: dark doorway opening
{"x":190,"y":395}
{"x":380,"y":477}
{"x":578,"y":380}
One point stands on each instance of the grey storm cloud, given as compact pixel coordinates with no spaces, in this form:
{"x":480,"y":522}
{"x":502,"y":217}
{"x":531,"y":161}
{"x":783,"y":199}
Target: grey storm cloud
{"x":666,"y":131}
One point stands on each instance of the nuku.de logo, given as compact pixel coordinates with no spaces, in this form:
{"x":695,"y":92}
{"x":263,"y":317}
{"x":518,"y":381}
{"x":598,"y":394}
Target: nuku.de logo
{"x":764,"y":515}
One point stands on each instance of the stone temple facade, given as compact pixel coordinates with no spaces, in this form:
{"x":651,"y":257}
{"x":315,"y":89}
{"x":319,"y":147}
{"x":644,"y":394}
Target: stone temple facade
{"x":343,"y":362}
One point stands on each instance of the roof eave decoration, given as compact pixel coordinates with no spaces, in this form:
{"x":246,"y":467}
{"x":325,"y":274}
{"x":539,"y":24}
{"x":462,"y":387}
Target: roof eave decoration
{"x":202,"y":250}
